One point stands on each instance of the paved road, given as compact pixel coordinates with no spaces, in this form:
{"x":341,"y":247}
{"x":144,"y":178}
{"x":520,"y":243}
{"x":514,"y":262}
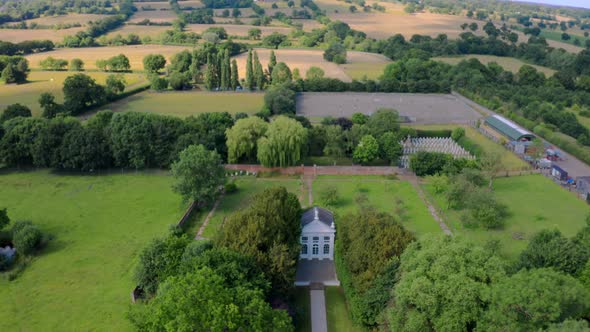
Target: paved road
{"x":319,"y":322}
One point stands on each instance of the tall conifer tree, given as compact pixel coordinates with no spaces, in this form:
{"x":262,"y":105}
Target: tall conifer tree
{"x":258,"y":73}
{"x":235,"y":79}
{"x":249,"y":72}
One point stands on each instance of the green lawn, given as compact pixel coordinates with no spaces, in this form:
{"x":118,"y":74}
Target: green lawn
{"x":364,"y":70}
{"x":82,"y":281}
{"x":534,"y":203}
{"x":509,"y":159}
{"x":508,"y":63}
{"x":186,"y":103}
{"x":337,"y":311}
{"x":382,"y":193}
{"x":303,"y":310}
{"x":50,"y":81}
{"x":247,"y":187}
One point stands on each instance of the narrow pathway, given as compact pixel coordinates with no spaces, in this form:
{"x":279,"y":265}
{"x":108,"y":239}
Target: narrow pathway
{"x":199,"y":235}
{"x":309,"y":184}
{"x":317,"y":297}
{"x":431,"y":208}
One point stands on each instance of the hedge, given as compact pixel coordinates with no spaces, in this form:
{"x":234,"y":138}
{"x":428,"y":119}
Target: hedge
{"x":434,"y":133}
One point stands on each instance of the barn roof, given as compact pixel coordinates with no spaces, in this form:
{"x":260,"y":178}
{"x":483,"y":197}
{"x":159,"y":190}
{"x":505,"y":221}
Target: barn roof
{"x":324,"y":216}
{"x":508,"y":128}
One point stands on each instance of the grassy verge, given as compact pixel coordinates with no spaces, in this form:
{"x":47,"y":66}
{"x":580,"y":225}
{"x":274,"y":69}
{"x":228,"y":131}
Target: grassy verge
{"x":83,"y":278}
{"x":380,"y":192}
{"x":302,"y":319}
{"x":534,"y":203}
{"x":337,"y":311}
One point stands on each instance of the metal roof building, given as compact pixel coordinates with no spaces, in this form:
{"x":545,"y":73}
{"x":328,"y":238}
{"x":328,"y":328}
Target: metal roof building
{"x":508,"y":128}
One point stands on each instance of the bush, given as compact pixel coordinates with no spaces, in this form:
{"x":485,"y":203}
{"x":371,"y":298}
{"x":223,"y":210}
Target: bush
{"x":458,"y":133}
{"x":231,"y":188}
{"x":429,"y":163}
{"x":26,"y":237}
{"x":329,"y":196}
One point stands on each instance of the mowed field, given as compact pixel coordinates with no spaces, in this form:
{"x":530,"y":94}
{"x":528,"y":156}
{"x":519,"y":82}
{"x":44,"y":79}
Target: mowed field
{"x":187,"y":103}
{"x":66,"y":19}
{"x":51,"y":81}
{"x":19,"y":35}
{"x":135,"y":53}
{"x":510,"y":64}
{"x":163,"y":12}
{"x":305,"y":59}
{"x":381,"y":193}
{"x":99,"y":223}
{"x":534,"y":203}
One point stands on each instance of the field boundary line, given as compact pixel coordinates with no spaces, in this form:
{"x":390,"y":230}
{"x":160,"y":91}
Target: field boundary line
{"x":199,"y":235}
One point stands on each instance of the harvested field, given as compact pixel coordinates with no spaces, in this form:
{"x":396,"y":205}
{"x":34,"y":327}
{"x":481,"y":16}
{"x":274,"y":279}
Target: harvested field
{"x":190,"y":3}
{"x":304,"y":59}
{"x":19,"y":35}
{"x":420,"y":108}
{"x":156,"y":5}
{"x":50,"y":81}
{"x":510,"y":64}
{"x":152,"y":31}
{"x":238,"y":30}
{"x":154,"y":15}
{"x":309,"y":24}
{"x":186,"y":103}
{"x":66,"y":19}
{"x":135,"y":53}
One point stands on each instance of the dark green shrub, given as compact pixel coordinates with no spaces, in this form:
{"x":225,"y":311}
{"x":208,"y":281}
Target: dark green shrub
{"x":26,"y":237}
{"x":231,"y":188}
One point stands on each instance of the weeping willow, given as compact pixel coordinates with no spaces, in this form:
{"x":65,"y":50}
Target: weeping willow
{"x":283,"y":144}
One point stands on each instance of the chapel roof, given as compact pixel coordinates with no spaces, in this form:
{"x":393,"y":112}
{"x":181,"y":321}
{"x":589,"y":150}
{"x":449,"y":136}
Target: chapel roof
{"x":324,"y":216}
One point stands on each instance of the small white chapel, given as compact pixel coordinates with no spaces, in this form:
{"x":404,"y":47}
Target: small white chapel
{"x":317,"y":234}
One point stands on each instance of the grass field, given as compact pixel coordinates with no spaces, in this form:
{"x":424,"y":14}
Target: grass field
{"x":135,"y":53}
{"x":188,"y":103}
{"x":337,"y":311}
{"x":247,"y":187}
{"x":19,"y":35}
{"x":82,"y":280}
{"x":381,"y":193}
{"x":364,"y":70}
{"x":534,"y":203}
{"x":509,"y":159}
{"x":66,"y":19}
{"x":50,"y":81}
{"x":510,"y":64}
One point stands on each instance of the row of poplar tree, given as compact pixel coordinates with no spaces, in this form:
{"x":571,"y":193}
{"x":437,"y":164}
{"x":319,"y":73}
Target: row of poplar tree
{"x":221,"y":74}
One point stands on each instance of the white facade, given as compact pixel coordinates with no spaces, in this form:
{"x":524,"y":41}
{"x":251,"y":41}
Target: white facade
{"x":317,"y":239}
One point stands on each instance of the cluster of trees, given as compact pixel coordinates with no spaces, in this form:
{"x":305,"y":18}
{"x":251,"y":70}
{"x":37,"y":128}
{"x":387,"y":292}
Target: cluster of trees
{"x":19,"y":11}
{"x":125,"y":140}
{"x":25,"y":47}
{"x":13,"y":69}
{"x":117,"y":63}
{"x":24,"y":236}
{"x":244,"y":269}
{"x":51,"y":63}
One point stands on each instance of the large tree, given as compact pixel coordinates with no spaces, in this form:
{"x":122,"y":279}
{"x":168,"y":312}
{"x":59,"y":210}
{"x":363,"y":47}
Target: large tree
{"x":198,"y":174}
{"x":250,"y":82}
{"x":154,"y":62}
{"x":13,"y":111}
{"x":281,"y":74}
{"x":284,"y":143}
{"x":243,"y":137}
{"x":367,"y":150}
{"x":383,"y":121}
{"x":280,"y":99}
{"x":81,"y":91}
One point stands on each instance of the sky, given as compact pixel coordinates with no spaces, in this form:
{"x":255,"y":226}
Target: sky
{"x":572,"y":3}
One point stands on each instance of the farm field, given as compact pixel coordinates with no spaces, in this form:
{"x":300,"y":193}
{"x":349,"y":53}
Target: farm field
{"x":187,"y":103}
{"x":135,"y":53}
{"x":337,"y":311}
{"x":19,"y":35}
{"x":362,"y":70}
{"x":420,"y":108}
{"x":82,"y":280}
{"x":155,"y":4}
{"x":382,"y":193}
{"x":247,"y":187}
{"x":66,"y":19}
{"x":305,"y":59}
{"x":51,"y":81}
{"x":509,"y":159}
{"x":238,"y":30}
{"x":534,"y":203}
{"x":509,"y":64}
{"x":153,"y":15}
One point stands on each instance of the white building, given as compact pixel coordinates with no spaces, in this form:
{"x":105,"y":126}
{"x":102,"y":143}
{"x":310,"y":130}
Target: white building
{"x":317,"y":234}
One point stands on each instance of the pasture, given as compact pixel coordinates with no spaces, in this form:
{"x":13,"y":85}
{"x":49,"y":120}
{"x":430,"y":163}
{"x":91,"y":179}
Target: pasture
{"x":534,"y":203}
{"x":420,"y":108}
{"x":305,"y":59}
{"x":51,"y":81}
{"x":135,"y":53}
{"x":364,"y":70}
{"x":391,"y":196}
{"x":508,"y":63}
{"x":19,"y":35}
{"x":187,"y":103}
{"x":99,"y":223}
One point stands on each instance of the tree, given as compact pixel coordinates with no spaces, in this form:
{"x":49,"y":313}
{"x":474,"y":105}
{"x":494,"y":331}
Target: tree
{"x":249,"y":72}
{"x":284,"y":143}
{"x":549,"y":248}
{"x":13,"y":111}
{"x":198,"y":174}
{"x":115,"y":85}
{"x":235,"y":13}
{"x":259,"y":78}
{"x":205,"y":301}
{"x":428,"y":163}
{"x":314,"y":73}
{"x":4,"y":220}
{"x":243,"y":137}
{"x":119,"y":63}
{"x":26,"y":237}
{"x":281,"y":74}
{"x":272,"y":62}
{"x":473,"y":26}
{"x":76,"y":65}
{"x":274,"y":40}
{"x":280,"y":99}
{"x":234,"y":79}
{"x":211,"y":74}
{"x":50,"y":63}
{"x":81,"y":91}
{"x":444,"y":285}
{"x":268,"y":230}
{"x":178,"y":81}
{"x":491,"y":164}
{"x":158,"y":83}
{"x":390,"y":147}
{"x":153,"y":63}
{"x":464,"y":26}
{"x":9,"y":74}
{"x":18,"y":142}
{"x":531,"y":300}
{"x":329,"y":196}
{"x":336,"y":53}
{"x":334,"y":141}
{"x":254,"y":34}
{"x":359,"y":118}
{"x":367,"y":150}
{"x":383,"y":121}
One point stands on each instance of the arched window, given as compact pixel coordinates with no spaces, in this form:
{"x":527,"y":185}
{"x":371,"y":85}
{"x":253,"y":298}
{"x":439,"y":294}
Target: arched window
{"x":304,"y":249}
{"x":326,"y":249}
{"x":315,"y":250}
